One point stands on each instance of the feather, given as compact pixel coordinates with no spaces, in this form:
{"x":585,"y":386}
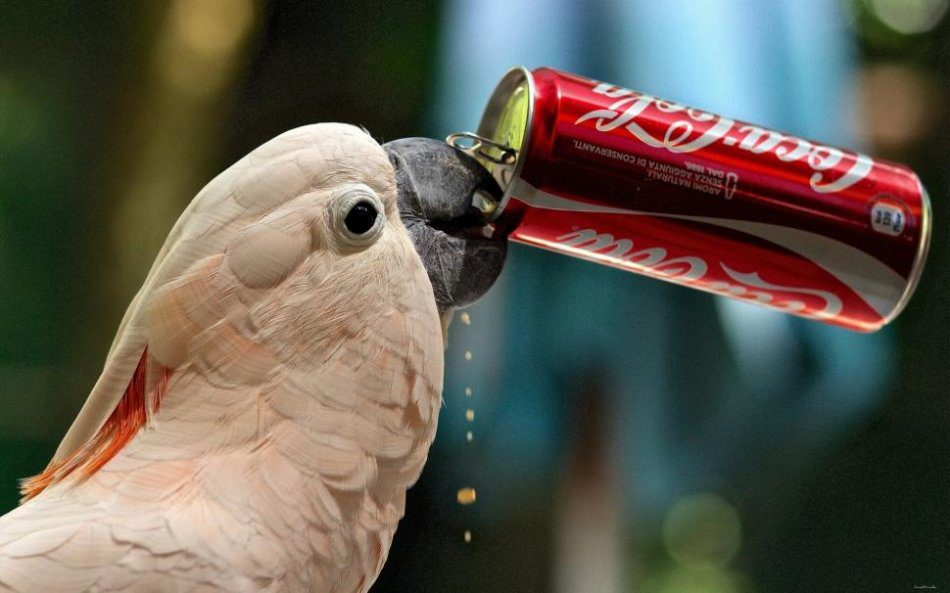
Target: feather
{"x":131,"y":413}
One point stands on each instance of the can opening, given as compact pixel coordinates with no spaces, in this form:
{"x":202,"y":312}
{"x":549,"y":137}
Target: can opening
{"x":505,"y":126}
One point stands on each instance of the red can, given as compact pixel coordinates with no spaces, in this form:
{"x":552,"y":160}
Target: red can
{"x":625,"y":179}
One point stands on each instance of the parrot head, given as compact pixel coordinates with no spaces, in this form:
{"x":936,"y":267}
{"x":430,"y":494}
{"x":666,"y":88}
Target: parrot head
{"x":319,"y":253}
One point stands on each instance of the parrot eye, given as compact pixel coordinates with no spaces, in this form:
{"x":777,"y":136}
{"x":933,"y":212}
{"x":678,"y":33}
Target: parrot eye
{"x":357,"y":215}
{"x":361,"y":218}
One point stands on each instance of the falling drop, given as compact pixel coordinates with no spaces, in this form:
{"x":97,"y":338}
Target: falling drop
{"x":468,"y":355}
{"x":468,"y":392}
{"x":466,"y":318}
{"x":465,"y":496}
{"x":470,"y":415}
{"x":468,"y":536}
{"x":469,"y":436}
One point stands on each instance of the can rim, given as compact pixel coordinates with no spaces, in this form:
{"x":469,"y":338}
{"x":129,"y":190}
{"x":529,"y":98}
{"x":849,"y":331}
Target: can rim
{"x":492,"y":114}
{"x":920,"y":259}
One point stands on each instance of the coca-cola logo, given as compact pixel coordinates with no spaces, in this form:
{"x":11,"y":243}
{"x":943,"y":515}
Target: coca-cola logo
{"x":833,"y":169}
{"x":655,"y":261}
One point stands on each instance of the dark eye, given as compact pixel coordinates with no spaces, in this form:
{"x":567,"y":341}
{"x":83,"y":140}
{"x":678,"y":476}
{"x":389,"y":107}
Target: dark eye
{"x":356,"y":216}
{"x":360,"y":218}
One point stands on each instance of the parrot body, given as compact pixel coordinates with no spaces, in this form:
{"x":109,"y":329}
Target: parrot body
{"x":271,"y":394}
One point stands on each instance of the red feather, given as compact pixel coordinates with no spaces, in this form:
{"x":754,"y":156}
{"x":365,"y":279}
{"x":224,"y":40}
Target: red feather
{"x":129,"y":416}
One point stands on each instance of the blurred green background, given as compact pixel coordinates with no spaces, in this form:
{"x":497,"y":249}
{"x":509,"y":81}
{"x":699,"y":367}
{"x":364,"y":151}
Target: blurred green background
{"x":114,"y":114}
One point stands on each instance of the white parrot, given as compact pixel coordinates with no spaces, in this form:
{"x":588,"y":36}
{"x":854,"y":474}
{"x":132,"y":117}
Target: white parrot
{"x":274,"y":386}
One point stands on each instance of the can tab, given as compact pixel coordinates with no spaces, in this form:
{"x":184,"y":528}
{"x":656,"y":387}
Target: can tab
{"x":498,"y":158}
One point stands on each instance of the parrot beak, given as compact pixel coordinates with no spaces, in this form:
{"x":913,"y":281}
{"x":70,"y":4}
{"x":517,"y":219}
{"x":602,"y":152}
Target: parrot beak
{"x":445,"y":200}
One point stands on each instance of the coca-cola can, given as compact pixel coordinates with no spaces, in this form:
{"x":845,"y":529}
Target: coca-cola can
{"x":625,"y":179}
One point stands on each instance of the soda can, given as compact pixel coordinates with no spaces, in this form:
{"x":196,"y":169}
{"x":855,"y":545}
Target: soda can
{"x":625,"y":179}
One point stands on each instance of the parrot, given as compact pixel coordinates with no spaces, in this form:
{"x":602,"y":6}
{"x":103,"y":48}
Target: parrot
{"x":274,"y":386}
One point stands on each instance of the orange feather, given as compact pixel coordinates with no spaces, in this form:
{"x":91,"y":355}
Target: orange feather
{"x":130,"y":415}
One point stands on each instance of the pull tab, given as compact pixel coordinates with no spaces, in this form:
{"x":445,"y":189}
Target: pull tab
{"x":476,"y":146}
{"x":501,"y":159}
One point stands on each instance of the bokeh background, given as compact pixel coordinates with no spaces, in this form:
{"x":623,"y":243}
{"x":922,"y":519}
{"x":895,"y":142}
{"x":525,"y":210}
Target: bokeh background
{"x":627,"y":435}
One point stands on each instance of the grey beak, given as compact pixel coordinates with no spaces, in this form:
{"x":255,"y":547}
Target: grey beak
{"x":440,"y":190}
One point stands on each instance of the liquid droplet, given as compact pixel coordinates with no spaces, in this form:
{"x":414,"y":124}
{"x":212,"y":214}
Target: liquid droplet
{"x":466,"y":496}
{"x":468,"y":392}
{"x":466,"y":318}
{"x":470,"y":415}
{"x":469,"y":436}
{"x":468,"y":355}
{"x":468,"y":536}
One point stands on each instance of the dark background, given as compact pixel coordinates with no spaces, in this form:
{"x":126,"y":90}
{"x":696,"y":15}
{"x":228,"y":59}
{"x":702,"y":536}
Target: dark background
{"x":114,"y":114}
